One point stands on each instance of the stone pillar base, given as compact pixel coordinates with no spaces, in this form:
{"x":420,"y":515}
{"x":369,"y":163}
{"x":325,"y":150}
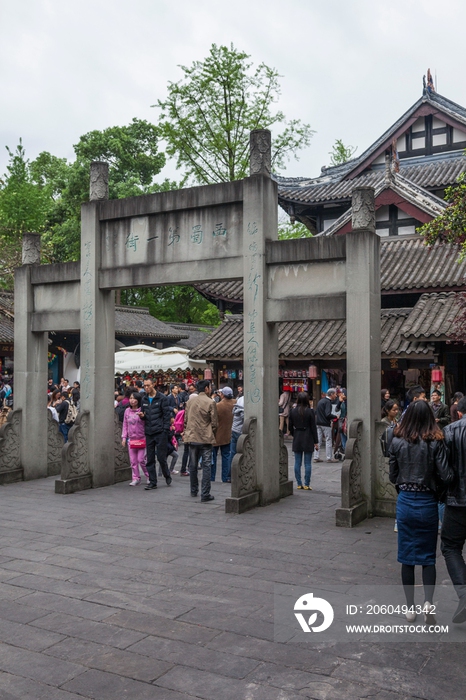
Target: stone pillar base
{"x":385,"y":508}
{"x":286,"y":489}
{"x":76,"y":483}
{"x":243,"y":503}
{"x":123,"y":474}
{"x":11,"y":476}
{"x":349,"y":517}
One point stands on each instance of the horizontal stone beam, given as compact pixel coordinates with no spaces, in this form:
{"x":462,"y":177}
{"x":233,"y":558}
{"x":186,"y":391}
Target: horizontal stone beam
{"x":59,"y":321}
{"x":316,"y":249}
{"x":174,"y":200}
{"x":192,"y":272}
{"x":318,"y":308}
{"x":58,"y":272}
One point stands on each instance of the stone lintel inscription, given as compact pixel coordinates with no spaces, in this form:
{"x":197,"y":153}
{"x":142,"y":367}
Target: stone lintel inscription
{"x":173,"y":237}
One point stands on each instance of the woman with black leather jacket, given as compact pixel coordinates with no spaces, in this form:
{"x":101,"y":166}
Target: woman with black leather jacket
{"x":419,"y":469}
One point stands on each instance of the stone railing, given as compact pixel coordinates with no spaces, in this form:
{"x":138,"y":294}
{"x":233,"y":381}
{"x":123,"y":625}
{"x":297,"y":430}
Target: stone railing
{"x":122,"y":463}
{"x":385,"y":492}
{"x":244,"y":491}
{"x":10,"y":455}
{"x":55,"y":442}
{"x":353,"y":504}
{"x":75,"y":469}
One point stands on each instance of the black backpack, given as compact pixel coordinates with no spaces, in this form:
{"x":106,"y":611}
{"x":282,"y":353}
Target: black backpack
{"x":386,"y":439}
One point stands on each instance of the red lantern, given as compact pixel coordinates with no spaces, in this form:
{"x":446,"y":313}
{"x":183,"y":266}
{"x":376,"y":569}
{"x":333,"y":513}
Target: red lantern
{"x":207,"y":374}
{"x":312,"y":372}
{"x":437,"y":376}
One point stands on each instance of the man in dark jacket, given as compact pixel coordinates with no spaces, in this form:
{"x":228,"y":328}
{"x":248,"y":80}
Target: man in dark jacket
{"x":325,"y":414}
{"x":454,"y":520}
{"x":156,"y":414}
{"x":441,"y":410}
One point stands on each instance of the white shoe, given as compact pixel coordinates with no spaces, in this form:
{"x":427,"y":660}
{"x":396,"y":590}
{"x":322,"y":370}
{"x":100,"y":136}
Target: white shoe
{"x":395,"y":528}
{"x":429,"y":614}
{"x":174,"y":471}
{"x":147,"y":481}
{"x":135,"y":482}
{"x":411,"y":616}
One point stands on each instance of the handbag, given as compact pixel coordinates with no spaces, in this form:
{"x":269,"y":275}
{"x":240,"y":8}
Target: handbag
{"x":137,"y":444}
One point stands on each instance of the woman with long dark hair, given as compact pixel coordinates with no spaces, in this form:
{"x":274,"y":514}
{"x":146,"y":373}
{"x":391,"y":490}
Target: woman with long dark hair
{"x":302,"y":426}
{"x":418,"y":467}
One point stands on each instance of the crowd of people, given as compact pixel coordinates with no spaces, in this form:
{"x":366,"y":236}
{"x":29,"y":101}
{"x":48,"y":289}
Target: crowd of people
{"x":63,"y":401}
{"x":155,"y":422}
{"x":425,"y":442}
{"x":310,"y":429}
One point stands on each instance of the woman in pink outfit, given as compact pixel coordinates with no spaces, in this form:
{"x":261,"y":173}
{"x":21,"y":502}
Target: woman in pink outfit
{"x":133,"y":435}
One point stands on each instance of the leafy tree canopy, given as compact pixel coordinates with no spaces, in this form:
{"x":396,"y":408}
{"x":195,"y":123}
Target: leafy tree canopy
{"x":340,"y":153}
{"x":23,"y":205}
{"x":208,"y":114}
{"x":174,"y":304}
{"x":45,"y":195}
{"x":450,"y":226}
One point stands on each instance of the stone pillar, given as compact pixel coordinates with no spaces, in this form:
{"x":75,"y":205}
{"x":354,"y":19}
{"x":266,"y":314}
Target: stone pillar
{"x":97,"y":339}
{"x":31,"y":249}
{"x":30,"y":377}
{"x":363,"y":350}
{"x":98,"y":181}
{"x":260,"y":356}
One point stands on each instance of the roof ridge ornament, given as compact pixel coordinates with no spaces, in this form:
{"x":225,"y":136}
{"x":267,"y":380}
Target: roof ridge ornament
{"x":428,"y":84}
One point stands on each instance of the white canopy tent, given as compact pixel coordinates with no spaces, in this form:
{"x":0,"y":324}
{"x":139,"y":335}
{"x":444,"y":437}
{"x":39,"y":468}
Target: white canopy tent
{"x":142,"y":358}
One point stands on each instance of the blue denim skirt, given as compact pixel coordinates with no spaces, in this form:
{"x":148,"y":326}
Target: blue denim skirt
{"x":417,"y":520}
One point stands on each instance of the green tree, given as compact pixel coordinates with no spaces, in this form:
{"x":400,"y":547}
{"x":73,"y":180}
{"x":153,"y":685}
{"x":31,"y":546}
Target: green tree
{"x":288,"y":229}
{"x":208,"y":114}
{"x":23,"y":203}
{"x":24,"y":207}
{"x":450,"y":226}
{"x":134,"y":161}
{"x":174,"y":304}
{"x":341,"y":153}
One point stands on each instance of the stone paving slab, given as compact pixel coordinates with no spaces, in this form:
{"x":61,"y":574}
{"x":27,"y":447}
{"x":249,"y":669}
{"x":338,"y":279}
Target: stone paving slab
{"x":118,"y":592}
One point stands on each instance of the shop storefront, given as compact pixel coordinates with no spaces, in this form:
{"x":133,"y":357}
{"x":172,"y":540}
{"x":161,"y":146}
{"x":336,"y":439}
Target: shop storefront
{"x":6,"y":359}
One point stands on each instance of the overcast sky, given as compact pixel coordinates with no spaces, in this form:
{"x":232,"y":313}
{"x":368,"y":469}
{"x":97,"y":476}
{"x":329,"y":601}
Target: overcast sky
{"x":349,"y":67}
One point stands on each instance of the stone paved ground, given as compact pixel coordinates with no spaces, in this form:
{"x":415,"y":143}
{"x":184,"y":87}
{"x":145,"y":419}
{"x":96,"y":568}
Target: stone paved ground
{"x":119,"y":592}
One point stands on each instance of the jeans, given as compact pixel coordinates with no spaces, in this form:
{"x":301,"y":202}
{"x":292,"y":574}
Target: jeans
{"x":225,"y":452}
{"x":64,"y":429}
{"x":453,"y":538}
{"x":325,"y":432}
{"x":233,"y":443}
{"x":174,"y":456}
{"x":157,"y":441}
{"x":185,"y":460}
{"x":298,"y":458}
{"x":205,"y":453}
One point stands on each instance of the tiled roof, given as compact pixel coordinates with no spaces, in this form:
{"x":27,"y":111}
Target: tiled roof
{"x":310,"y":339}
{"x":6,"y":300}
{"x":6,"y":317}
{"x":429,"y":172}
{"x":137,"y":321}
{"x":228,"y":291}
{"x":195,"y":334}
{"x":406,"y":264}
{"x":433,"y":317}
{"x":424,"y":200}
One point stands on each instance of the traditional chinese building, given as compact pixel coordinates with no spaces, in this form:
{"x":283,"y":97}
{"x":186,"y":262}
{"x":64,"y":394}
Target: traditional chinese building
{"x":409,"y":166}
